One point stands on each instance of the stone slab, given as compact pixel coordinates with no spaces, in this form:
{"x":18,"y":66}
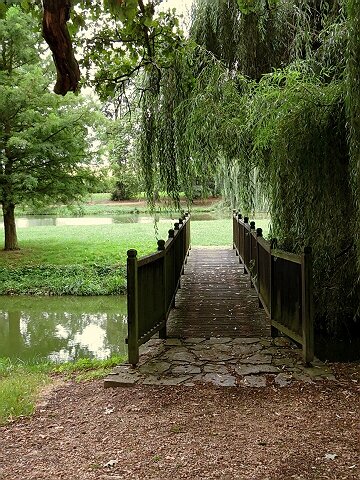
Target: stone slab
{"x":246,"y":349}
{"x":185,"y":356}
{"x":283,"y":379}
{"x":220,"y":380}
{"x":286,"y":362}
{"x":246,"y":340}
{"x":194,"y":340}
{"x":121,"y":380}
{"x":212,"y":355}
{"x":257,"y":359}
{"x":172,"y":342}
{"x":255,"y":369}
{"x":254,"y":381}
{"x":213,"y":368}
{"x":217,"y":340}
{"x":152,"y":380}
{"x":154,"y":368}
{"x":185,"y":370}
{"x":282,"y":342}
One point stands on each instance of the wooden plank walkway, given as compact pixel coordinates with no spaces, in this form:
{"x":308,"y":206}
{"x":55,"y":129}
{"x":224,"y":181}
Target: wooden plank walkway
{"x":215,"y":299}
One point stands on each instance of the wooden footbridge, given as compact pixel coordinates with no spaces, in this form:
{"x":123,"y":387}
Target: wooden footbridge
{"x":250,"y":290}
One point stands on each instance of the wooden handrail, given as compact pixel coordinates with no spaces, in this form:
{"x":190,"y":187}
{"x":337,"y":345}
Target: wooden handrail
{"x":289,"y":304}
{"x":152,"y":284}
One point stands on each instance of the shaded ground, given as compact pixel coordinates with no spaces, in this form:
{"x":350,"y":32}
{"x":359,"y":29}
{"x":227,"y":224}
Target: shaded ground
{"x":302,"y":431}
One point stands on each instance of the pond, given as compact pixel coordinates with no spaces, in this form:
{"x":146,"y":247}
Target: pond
{"x":51,"y":220}
{"x":62,"y":328}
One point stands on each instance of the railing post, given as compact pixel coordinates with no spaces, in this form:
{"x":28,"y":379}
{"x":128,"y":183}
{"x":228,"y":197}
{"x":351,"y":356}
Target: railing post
{"x":133,"y":314}
{"x":258,"y":234}
{"x":307,"y":306}
{"x":238,"y":233}
{"x":173,"y":280}
{"x":274,"y":332}
{"x":234,"y":225}
{"x":183,"y":242}
{"x":188,"y":247}
{"x":177,"y":260}
{"x":246,"y":247}
{"x":251,"y":239}
{"x":162,"y":288}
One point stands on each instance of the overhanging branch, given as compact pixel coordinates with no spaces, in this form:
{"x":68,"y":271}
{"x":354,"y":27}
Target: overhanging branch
{"x":56,"y":34}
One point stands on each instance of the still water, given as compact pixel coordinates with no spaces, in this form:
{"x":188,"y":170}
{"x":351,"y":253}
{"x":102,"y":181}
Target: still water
{"x":62,"y":328}
{"x":67,"y":328}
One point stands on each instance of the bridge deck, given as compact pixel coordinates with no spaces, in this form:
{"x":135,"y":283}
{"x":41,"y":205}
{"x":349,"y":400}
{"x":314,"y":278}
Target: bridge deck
{"x":216,"y":299}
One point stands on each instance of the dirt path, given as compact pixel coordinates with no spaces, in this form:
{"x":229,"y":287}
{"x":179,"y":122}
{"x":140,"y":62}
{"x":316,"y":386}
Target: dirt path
{"x":146,"y":432}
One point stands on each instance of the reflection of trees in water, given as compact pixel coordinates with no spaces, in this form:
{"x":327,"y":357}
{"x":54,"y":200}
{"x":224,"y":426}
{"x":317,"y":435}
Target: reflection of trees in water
{"x":67,"y":332}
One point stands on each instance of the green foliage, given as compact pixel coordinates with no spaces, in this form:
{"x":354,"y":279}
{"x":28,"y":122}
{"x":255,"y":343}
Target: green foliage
{"x":87,"y":364}
{"x":21,"y":383}
{"x":353,"y":106}
{"x":18,"y":394}
{"x":133,"y":40}
{"x":277,"y":139}
{"x":63,"y":280}
{"x":126,"y":175}
{"x":40,"y":161}
{"x":127,"y":187}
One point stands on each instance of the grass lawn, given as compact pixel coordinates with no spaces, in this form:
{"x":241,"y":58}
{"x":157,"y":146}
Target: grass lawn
{"x":21,"y":382}
{"x":90,"y":260}
{"x":101,"y":204}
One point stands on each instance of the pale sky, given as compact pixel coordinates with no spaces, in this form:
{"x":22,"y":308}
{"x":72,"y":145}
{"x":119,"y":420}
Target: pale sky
{"x":181,"y":5}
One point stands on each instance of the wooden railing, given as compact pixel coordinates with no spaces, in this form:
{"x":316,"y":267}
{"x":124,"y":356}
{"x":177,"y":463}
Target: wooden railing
{"x":152,"y":283}
{"x":282,"y":280}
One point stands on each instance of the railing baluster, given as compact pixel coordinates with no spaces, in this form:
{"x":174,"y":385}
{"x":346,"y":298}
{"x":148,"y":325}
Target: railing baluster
{"x":307,"y":306}
{"x":161,"y":289}
{"x":132,"y":299}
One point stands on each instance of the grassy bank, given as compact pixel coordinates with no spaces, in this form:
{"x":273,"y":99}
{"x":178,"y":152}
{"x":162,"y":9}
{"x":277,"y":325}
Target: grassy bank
{"x":90,"y":260}
{"x":101,"y":204}
{"x":20,"y":383}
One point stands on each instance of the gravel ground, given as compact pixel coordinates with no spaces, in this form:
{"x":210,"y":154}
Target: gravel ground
{"x":82,"y":431}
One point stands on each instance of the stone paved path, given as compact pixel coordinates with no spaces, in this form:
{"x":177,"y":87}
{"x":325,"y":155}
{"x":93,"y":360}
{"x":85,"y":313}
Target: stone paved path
{"x":227,"y":362}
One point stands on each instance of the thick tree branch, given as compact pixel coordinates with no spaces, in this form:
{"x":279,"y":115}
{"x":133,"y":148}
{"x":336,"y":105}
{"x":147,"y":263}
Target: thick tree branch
{"x":56,"y":34}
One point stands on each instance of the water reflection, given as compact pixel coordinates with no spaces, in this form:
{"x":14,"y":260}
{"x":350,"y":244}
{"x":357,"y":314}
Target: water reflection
{"x":62,"y":328}
{"x":49,"y":220}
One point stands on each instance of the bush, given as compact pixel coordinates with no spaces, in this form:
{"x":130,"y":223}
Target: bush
{"x":127,"y":187}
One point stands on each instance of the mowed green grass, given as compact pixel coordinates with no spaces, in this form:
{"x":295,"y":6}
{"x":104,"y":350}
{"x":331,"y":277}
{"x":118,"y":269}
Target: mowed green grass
{"x":91,"y":260}
{"x":106,"y":244}
{"x":69,"y":245}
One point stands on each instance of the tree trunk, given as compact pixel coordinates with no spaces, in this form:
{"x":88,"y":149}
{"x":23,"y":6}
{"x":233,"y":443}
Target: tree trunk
{"x":55,"y":32}
{"x":11,"y":242}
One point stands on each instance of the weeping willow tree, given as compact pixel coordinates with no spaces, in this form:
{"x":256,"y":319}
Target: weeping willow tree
{"x":353,"y":105}
{"x":258,"y":96}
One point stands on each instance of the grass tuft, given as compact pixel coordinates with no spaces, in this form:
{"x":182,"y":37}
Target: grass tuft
{"x":21,"y":382}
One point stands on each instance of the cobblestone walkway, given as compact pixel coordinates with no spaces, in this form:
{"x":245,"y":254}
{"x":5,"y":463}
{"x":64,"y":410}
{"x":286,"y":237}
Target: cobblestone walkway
{"x":227,"y":362}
